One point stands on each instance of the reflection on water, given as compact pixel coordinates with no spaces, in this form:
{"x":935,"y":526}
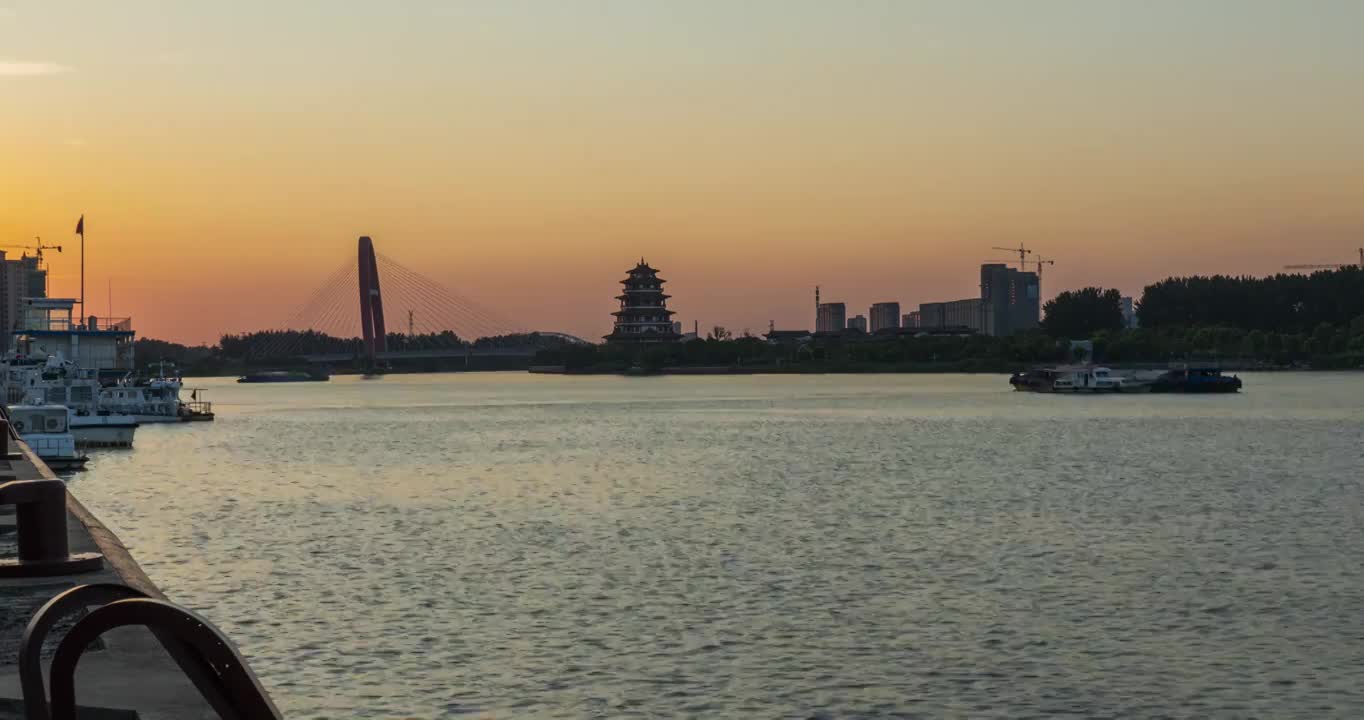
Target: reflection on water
{"x":529,"y":546}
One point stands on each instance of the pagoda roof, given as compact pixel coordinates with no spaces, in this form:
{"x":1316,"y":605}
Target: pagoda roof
{"x":640,"y":311}
{"x":660,"y":295}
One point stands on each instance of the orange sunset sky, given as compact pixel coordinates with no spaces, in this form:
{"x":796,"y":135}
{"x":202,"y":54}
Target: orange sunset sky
{"x":525,"y":154}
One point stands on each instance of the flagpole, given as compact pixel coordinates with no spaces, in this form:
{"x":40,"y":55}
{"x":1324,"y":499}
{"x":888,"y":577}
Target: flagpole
{"x":80,"y":230}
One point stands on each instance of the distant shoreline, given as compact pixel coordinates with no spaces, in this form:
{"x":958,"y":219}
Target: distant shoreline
{"x":957,"y":367}
{"x":918,"y":369}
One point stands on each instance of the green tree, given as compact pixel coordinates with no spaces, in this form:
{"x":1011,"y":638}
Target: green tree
{"x":1322,"y":338}
{"x":1080,"y":313}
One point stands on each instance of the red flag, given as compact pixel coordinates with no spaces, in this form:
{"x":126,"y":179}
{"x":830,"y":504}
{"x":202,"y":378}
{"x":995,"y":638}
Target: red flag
{"x":80,"y":226}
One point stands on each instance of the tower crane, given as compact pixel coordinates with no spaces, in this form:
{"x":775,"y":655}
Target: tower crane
{"x":37,"y":248}
{"x":1040,"y":262}
{"x":1328,"y":266}
{"x":1022,"y":254}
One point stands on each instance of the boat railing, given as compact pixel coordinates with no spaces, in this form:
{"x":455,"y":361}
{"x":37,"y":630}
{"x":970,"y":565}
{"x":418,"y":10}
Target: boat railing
{"x":199,"y":407}
{"x":62,"y":324}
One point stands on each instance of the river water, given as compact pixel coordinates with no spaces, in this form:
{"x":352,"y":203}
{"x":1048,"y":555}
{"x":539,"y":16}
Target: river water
{"x":510,"y":545}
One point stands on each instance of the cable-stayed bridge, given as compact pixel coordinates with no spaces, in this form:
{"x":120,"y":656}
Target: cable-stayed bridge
{"x":399,"y":314}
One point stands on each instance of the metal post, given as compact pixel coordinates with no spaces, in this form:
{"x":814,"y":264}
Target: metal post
{"x":40,"y":514}
{"x":42,"y":524}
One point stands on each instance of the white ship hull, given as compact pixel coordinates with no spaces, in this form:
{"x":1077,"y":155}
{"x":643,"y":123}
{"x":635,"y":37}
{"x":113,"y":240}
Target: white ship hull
{"x":154,"y":419}
{"x":104,"y":431}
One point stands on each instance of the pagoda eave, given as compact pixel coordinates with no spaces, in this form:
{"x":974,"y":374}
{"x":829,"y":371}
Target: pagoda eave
{"x":643,"y":337}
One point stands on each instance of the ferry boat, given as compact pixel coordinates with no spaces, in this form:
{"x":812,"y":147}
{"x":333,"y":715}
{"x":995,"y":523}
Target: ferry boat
{"x":1195,"y":379}
{"x":1076,"y":379}
{"x":155,"y":398}
{"x":102,"y":349}
{"x":47,"y":429}
{"x":278,"y":376}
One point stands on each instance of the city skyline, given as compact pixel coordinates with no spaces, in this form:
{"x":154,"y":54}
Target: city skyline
{"x":227,"y":158}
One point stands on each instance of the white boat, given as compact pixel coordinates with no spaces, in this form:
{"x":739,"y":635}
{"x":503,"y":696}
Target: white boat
{"x":57,"y":382}
{"x":47,"y":429}
{"x":155,"y":398}
{"x":152,"y":401}
{"x":102,"y":350}
{"x":1077,"y":379}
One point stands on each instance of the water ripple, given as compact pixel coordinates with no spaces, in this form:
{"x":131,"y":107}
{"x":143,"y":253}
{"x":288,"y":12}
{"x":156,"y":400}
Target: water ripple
{"x":833,"y":547}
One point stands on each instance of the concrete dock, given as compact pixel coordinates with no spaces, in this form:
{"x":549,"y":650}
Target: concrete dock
{"x":127,"y":674}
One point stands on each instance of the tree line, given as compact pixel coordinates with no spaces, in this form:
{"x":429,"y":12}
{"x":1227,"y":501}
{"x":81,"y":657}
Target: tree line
{"x":236,"y":351}
{"x":1283,"y":304}
{"x":1278,"y":320}
{"x":1278,"y":303}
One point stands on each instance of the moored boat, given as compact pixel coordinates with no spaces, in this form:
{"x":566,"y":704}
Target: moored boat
{"x":155,"y":398}
{"x":47,"y":429}
{"x":55,"y":381}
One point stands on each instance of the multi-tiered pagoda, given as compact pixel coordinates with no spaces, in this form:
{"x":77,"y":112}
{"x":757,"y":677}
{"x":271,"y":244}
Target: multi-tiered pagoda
{"x":643,"y":315}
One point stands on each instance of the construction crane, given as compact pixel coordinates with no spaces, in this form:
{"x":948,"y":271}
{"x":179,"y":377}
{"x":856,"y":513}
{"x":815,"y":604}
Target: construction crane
{"x":1022,"y":254}
{"x":1040,"y":262}
{"x":1328,"y":266}
{"x":37,"y":248}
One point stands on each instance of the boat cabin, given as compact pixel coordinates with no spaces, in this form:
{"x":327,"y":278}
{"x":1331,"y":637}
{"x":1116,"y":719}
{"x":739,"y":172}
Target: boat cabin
{"x":47,"y":327}
{"x":39,"y":419}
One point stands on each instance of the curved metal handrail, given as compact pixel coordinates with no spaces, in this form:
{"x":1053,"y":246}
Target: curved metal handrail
{"x":31,"y":646}
{"x":201,"y":650}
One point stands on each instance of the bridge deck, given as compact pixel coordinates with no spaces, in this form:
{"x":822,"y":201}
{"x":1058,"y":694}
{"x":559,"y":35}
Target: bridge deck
{"x":420,"y":354}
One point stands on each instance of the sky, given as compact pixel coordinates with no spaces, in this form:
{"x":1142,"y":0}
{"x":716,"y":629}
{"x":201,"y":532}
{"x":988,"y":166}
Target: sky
{"x":525,"y":154}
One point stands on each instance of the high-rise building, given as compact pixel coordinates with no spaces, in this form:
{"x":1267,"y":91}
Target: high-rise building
{"x":858,"y":322}
{"x":1010,"y":300}
{"x":952,"y":314}
{"x":932,"y":315}
{"x":885,"y":316}
{"x":1129,"y":312}
{"x":643,"y":315}
{"x":963,"y":314}
{"x":831,"y":317}
{"x":19,"y":279}
{"x":911,"y":319}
